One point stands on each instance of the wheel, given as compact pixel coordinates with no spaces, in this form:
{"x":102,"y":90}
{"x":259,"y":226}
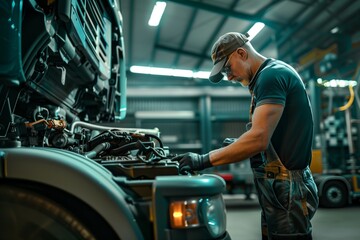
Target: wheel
{"x":26,"y":214}
{"x":334,"y":195}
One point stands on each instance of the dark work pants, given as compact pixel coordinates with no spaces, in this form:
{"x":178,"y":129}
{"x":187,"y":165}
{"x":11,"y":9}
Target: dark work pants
{"x":288,"y":200}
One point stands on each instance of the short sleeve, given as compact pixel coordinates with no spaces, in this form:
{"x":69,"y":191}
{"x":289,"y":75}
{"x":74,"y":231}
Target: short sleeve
{"x":271,"y":87}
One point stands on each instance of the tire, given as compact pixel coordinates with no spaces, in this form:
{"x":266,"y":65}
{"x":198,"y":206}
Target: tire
{"x":334,"y":195}
{"x":26,"y":214}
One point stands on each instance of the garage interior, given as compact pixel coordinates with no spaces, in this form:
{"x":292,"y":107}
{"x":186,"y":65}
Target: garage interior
{"x":97,"y":97}
{"x":320,"y":39}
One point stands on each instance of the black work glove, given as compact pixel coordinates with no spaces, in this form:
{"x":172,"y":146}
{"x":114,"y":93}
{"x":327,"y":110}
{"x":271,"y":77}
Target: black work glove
{"x":192,"y":161}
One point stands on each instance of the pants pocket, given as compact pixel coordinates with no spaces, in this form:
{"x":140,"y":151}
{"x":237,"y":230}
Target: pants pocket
{"x":274,"y":192}
{"x":282,"y":192}
{"x":312,"y":199}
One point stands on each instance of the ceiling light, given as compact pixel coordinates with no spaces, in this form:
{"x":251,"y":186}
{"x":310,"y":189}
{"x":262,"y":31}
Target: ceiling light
{"x":201,"y":74}
{"x":255,"y":29}
{"x":157,"y":13}
{"x":169,"y":72}
{"x":334,"y":30}
{"x":338,"y":83}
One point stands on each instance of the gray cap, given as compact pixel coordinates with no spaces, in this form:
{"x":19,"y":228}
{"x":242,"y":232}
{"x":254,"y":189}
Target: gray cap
{"x":221,"y":49}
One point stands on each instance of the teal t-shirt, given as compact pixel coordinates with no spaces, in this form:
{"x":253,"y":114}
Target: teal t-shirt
{"x":277,"y":82}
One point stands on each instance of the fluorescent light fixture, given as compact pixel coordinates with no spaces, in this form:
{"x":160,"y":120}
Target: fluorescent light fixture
{"x":336,"y":83}
{"x":157,"y":13}
{"x":255,"y":29}
{"x":201,"y":74}
{"x":169,"y":72}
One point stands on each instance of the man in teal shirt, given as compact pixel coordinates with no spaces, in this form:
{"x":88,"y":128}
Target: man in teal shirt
{"x":278,"y":141}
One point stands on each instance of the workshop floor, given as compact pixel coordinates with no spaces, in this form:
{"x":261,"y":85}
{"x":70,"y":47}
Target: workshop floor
{"x":243,"y":220}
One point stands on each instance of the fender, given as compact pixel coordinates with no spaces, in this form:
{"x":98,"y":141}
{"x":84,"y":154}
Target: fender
{"x":85,"y":179}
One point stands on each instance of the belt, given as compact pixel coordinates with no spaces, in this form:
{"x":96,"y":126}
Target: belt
{"x":280,"y":172}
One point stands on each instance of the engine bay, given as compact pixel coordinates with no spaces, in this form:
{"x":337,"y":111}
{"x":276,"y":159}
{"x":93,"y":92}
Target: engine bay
{"x":66,"y":87}
{"x":134,"y":153}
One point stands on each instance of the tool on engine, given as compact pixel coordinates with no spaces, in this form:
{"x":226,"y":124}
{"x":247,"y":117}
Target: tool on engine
{"x":47,"y":124}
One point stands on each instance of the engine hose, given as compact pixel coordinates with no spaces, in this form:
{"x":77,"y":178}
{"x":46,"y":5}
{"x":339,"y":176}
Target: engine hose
{"x":129,"y":146}
{"x":91,"y":126}
{"x":99,"y":148}
{"x":146,"y":150}
{"x":105,"y":137}
{"x":157,"y":138}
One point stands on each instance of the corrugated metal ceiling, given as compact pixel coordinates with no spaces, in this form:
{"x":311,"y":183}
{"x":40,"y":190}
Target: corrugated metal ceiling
{"x":189,"y":28}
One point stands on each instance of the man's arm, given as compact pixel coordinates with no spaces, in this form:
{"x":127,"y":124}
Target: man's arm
{"x":264,"y":122}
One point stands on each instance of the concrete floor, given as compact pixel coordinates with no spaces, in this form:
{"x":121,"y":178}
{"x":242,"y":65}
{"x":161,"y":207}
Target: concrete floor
{"x":243,"y":221}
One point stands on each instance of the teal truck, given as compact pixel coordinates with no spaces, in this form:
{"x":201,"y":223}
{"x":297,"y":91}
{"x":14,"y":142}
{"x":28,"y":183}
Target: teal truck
{"x":68,"y":170}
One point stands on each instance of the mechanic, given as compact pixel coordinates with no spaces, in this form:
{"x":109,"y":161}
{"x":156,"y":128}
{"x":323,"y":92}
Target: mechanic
{"x":278,"y":141}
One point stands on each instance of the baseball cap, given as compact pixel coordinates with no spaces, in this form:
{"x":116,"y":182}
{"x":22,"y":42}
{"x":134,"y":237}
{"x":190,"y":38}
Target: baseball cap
{"x":221,"y":49}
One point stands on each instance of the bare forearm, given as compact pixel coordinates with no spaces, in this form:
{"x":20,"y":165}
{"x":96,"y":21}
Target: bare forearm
{"x":252,"y":142}
{"x":246,"y":146}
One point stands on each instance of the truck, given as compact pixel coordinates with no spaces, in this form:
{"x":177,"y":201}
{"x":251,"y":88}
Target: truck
{"x":68,"y":170}
{"x":335,"y":165}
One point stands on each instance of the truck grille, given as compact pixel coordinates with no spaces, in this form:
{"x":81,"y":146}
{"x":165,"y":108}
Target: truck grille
{"x":94,"y":30}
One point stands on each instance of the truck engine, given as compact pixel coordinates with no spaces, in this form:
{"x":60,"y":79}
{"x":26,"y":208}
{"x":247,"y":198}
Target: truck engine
{"x":68,"y":170}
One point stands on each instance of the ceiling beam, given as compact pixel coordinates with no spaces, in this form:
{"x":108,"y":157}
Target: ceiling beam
{"x":186,"y":34}
{"x":320,"y":37}
{"x":181,"y":51}
{"x":278,"y":33}
{"x":310,"y":17}
{"x":266,"y":8}
{"x":323,"y":32}
{"x":157,"y":37}
{"x":212,"y":39}
{"x":227,"y":12}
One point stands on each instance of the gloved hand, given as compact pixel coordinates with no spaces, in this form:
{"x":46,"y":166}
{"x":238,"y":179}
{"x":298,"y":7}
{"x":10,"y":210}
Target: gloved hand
{"x":192,"y":161}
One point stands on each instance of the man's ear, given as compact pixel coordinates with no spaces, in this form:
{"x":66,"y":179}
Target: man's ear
{"x":242,"y":53}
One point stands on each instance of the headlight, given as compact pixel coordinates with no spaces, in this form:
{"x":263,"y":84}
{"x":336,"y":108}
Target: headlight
{"x":214,"y":215}
{"x":206,"y":211}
